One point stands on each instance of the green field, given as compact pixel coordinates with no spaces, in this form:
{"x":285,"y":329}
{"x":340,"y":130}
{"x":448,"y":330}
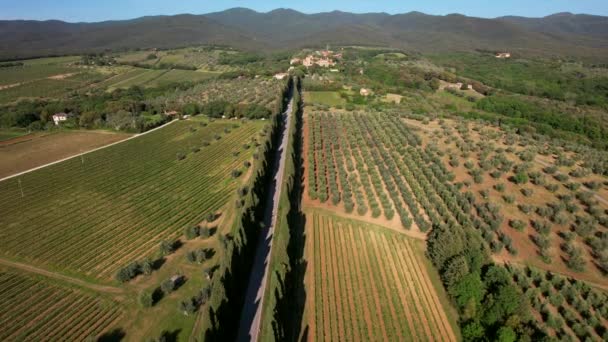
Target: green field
{"x":153,"y":78}
{"x":180,"y":76}
{"x":89,"y":216}
{"x":328,"y":98}
{"x":52,"y":60}
{"x":24,"y":74}
{"x":6,"y":134}
{"x":35,"y":309}
{"x":203,"y":59}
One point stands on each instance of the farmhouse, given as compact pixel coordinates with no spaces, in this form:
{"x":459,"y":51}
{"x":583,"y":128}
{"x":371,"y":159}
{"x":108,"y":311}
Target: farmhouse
{"x":503,"y":55}
{"x":59,"y":117}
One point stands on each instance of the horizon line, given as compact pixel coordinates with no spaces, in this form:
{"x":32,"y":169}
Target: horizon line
{"x":293,"y":10}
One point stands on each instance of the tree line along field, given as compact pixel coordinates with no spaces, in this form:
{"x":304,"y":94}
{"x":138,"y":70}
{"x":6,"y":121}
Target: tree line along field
{"x":541,"y":200}
{"x":35,"y":309}
{"x":367,"y":283}
{"x":90,"y":215}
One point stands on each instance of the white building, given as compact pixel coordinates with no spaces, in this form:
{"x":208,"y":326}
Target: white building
{"x":59,"y":117}
{"x":281,"y":76}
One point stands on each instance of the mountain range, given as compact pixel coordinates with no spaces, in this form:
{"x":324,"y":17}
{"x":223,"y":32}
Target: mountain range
{"x":563,"y":34}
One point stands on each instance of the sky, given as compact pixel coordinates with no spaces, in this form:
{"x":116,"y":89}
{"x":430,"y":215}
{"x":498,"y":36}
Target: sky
{"x":96,"y":10}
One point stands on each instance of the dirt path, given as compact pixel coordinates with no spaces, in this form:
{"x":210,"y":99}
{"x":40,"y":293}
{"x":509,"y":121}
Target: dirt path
{"x":251,"y":316}
{"x":416,"y":234}
{"x":75,"y":281}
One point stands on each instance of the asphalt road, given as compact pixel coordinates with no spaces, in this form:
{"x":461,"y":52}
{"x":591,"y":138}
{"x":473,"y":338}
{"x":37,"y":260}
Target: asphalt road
{"x":251,"y":316}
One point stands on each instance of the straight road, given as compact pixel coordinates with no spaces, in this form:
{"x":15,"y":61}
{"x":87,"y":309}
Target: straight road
{"x":251,"y":316}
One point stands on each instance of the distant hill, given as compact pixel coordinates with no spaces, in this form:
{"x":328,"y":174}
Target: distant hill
{"x":561,"y":34}
{"x":20,"y":39}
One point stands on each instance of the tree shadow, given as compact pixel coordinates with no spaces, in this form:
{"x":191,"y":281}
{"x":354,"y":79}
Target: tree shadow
{"x":158,"y":263}
{"x":112,"y":336}
{"x":171,"y":336}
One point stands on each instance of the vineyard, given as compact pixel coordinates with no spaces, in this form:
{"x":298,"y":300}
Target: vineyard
{"x":93,"y":214}
{"x":37,"y":310}
{"x":370,"y":284}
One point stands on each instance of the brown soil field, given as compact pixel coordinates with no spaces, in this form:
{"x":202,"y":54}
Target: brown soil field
{"x":339,"y":210}
{"x":527,"y":251}
{"x":34,"y":150}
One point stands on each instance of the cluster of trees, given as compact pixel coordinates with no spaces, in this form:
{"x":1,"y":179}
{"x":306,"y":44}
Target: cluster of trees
{"x":146,"y":266}
{"x":546,"y":119}
{"x":257,"y":64}
{"x":130,"y":109}
{"x":11,"y":64}
{"x":490,"y":304}
{"x":542,"y":78}
{"x":219,"y":108}
{"x":99,"y":59}
{"x":160,"y":66}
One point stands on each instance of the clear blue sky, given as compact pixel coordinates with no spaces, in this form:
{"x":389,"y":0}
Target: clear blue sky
{"x":96,"y":10}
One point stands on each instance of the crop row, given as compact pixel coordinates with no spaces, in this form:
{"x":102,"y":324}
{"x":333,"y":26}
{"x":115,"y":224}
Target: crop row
{"x":396,"y":174}
{"x":32,"y":309}
{"x":370,"y":286}
{"x":117,"y":203}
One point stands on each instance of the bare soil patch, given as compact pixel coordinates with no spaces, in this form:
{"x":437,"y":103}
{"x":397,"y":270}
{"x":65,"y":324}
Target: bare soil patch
{"x":27,"y":152}
{"x":62,"y":76}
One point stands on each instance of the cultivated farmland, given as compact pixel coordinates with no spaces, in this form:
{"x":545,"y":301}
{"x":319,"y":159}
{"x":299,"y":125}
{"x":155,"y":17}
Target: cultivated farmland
{"x":537,"y":201}
{"x":36,"y":149}
{"x":90,"y":215}
{"x":35,"y":309}
{"x":368,"y":283}
{"x":565,"y":308}
{"x":373,"y":165}
{"x":242,"y":91}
